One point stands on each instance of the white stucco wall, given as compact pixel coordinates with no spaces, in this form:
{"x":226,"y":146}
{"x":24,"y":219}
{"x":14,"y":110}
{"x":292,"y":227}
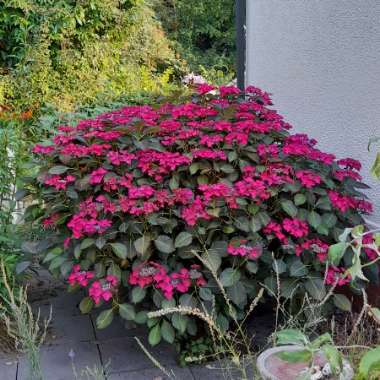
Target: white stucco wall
{"x":321,"y":61}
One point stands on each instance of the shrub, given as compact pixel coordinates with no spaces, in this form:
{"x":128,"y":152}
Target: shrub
{"x":133,"y":198}
{"x":202,"y":31}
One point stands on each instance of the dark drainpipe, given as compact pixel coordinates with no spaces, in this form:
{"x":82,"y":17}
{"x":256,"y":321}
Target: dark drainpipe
{"x":241,"y":10}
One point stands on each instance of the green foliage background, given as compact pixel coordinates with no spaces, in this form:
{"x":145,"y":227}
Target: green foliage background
{"x":62,"y":60}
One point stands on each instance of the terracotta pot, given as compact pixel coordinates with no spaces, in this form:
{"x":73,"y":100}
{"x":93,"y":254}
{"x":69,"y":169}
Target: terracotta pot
{"x":271,"y":367}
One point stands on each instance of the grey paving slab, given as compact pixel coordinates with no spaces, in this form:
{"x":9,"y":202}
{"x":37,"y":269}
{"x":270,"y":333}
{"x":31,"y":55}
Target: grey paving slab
{"x":8,"y":368}
{"x":56,"y":363}
{"x":119,"y":328}
{"x":152,"y":374}
{"x":126,"y":355}
{"x":70,"y":329}
{"x":64,"y":304}
{"x":219,"y":371}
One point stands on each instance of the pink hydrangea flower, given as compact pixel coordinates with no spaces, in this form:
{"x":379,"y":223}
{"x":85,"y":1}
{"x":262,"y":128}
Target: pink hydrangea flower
{"x":78,"y":277}
{"x":58,"y":182}
{"x":40,"y":149}
{"x":295,"y":227}
{"x":209,"y":154}
{"x":97,"y":176}
{"x":103,"y":289}
{"x":318,"y":247}
{"x":204,"y":88}
{"x":337,"y":275}
{"x":244,"y":250}
{"x":195,"y":212}
{"x":273,"y":228}
{"x":308,"y":178}
{"x":228,"y":90}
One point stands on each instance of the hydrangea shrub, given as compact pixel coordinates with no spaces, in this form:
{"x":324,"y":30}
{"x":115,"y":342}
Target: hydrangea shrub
{"x":132,"y":197}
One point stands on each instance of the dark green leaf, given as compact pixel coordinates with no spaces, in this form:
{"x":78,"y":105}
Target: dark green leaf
{"x":86,"y":305}
{"x":104,"y":319}
{"x":155,"y":335}
{"x":314,"y":219}
{"x":289,"y":207}
{"x":164,"y":244}
{"x":57,"y":170}
{"x":138,"y":294}
{"x":120,"y":250}
{"x":167,"y":331}
{"x":229,"y":277}
{"x":127,"y":311}
{"x":183,"y":239}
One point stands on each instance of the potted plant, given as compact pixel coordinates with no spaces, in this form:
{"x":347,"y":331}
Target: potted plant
{"x":297,"y":357}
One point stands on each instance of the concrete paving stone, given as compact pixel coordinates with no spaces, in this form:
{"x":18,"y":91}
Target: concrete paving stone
{"x":8,"y":368}
{"x":119,"y":328}
{"x":126,"y":355}
{"x":64,"y":304}
{"x":152,"y":374}
{"x":56,"y":363}
{"x":67,"y":328}
{"x":219,"y":371}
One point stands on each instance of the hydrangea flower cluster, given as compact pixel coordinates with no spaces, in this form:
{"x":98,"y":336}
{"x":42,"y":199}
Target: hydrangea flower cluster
{"x":154,"y":274}
{"x":135,"y":196}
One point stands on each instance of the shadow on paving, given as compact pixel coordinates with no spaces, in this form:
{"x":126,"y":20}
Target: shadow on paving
{"x":114,"y":347}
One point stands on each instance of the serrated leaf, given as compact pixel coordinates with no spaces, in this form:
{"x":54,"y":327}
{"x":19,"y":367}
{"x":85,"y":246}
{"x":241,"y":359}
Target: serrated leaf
{"x":299,"y":199}
{"x":193,"y":168}
{"x":183,"y":239}
{"x":206,"y":294}
{"x":237,"y":293}
{"x":88,"y":242}
{"x":263,"y":217}
{"x":142,"y":244}
{"x":342,"y":302}
{"x":179,"y":322}
{"x":120,"y":250}
{"x":289,"y":207}
{"x":141,"y":317}
{"x":229,"y":277}
{"x":329,"y":220}
{"x":138,"y":294}
{"x":252,"y":267}
{"x":155,"y":335}
{"x":314,"y":219}
{"x":212,"y":259}
{"x":58,"y":169}
{"x":127,"y":311}
{"x":279,"y":266}
{"x":167,"y":331}
{"x":164,"y":244}
{"x":255,"y":224}
{"x":298,"y":269}
{"x":86,"y":305}
{"x":57,"y":262}
{"x":316,"y":288}
{"x":104,"y":319}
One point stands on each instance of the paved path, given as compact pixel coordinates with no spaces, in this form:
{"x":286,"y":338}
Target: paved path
{"x":114,"y":347}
